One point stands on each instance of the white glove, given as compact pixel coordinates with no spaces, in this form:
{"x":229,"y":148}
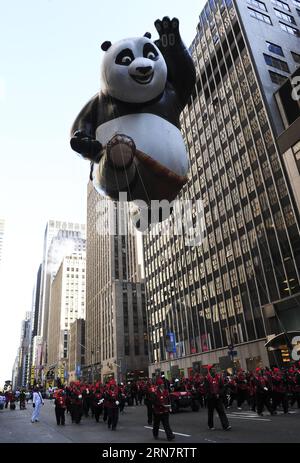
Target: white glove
{"x":265,"y":388}
{"x":117,"y":402}
{"x":100,"y":401}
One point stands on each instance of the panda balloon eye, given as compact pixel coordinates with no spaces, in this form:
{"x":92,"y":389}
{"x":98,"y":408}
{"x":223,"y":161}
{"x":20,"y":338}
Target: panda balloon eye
{"x":125,"y":57}
{"x":151,"y":55}
{"x":150,"y":52}
{"x":126,"y":60}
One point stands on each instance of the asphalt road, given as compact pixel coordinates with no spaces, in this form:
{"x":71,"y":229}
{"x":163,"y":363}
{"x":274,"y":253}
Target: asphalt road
{"x":189,"y":427}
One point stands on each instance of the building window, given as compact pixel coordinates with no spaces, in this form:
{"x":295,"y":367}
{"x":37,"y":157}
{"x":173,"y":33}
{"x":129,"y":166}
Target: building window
{"x":289,"y":29}
{"x":261,"y":17}
{"x":276,"y":63}
{"x":296,"y":151}
{"x":282,"y":5}
{"x":286,"y":17}
{"x":296,"y":57}
{"x":257,"y":4}
{"x":273,"y":48}
{"x":277,"y":78}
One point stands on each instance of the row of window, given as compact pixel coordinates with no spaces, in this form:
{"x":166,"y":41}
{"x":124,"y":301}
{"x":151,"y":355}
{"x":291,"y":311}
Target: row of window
{"x":277,"y":63}
{"x":72,"y":269}
{"x":281,"y":15}
{"x":277,"y":50}
{"x":276,"y":78}
{"x":76,"y":276}
{"x":284,"y":6}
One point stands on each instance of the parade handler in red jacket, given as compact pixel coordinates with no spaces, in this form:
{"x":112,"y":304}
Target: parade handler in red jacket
{"x":214,"y":388}
{"x":161,"y":408}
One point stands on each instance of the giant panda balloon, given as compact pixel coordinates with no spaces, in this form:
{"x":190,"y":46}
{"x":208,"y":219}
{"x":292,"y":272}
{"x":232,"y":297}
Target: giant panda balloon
{"x":130,"y":130}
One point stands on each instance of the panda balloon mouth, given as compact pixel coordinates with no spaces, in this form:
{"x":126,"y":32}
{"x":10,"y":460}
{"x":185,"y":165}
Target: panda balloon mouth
{"x":143,"y":79}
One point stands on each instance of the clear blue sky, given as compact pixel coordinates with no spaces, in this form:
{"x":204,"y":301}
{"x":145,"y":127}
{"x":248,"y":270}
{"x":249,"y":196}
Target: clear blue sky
{"x":49,"y":67}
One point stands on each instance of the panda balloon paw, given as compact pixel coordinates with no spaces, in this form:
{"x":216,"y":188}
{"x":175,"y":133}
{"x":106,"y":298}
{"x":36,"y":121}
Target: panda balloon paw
{"x":168,"y":31}
{"x":87,"y":146}
{"x":130,"y":130}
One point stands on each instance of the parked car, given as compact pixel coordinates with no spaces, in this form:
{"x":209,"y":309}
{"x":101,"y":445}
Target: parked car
{"x":183,"y":399}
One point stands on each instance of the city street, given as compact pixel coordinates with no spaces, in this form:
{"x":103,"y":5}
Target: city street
{"x":189,"y":427}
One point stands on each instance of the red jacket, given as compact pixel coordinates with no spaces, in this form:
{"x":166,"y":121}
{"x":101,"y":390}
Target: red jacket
{"x":262,"y":384}
{"x":111,"y":397}
{"x":214,"y":386}
{"x":278,"y":383}
{"x":159,"y":400}
{"x":242,"y":383}
{"x":60,"y":401}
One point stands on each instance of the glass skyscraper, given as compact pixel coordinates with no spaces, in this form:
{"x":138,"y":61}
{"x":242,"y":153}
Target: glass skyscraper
{"x":231,"y":289}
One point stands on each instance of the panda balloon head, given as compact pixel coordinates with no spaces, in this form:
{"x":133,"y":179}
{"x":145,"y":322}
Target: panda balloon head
{"x":137,"y":63}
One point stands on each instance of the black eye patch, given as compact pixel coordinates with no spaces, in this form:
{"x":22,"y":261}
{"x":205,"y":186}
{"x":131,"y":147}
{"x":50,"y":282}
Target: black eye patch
{"x":125,"y":57}
{"x":150,"y":52}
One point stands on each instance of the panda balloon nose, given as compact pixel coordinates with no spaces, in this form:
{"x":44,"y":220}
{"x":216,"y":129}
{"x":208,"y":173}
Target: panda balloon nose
{"x":144,"y":70}
{"x":141,"y":71}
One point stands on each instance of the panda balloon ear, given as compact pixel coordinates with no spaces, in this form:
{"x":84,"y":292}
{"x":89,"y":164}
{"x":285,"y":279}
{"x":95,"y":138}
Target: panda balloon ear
{"x":148,"y":35}
{"x":106,"y":45}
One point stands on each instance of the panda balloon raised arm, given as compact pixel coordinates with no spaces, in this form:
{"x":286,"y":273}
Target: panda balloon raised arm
{"x":130,"y":130}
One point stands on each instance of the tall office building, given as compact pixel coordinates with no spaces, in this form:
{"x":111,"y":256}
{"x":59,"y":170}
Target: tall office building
{"x":15,"y":373}
{"x":116,"y":328}
{"x":67,"y":303}
{"x":76,"y":349}
{"x":34,"y":322}
{"x":59,"y":240}
{"x":232,"y":289}
{"x":22,"y":367}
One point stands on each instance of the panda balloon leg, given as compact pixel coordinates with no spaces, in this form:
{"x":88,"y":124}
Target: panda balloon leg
{"x":116,"y":171}
{"x":159,"y":181}
{"x":125,"y":169}
{"x":120,"y":151}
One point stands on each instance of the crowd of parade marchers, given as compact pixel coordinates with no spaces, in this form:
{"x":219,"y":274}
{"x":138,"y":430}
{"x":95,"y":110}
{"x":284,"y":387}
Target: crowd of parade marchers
{"x":264,"y":388}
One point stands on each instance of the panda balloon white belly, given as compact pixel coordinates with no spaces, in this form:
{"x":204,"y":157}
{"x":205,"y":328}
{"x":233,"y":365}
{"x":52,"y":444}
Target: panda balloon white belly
{"x":152,"y":135}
